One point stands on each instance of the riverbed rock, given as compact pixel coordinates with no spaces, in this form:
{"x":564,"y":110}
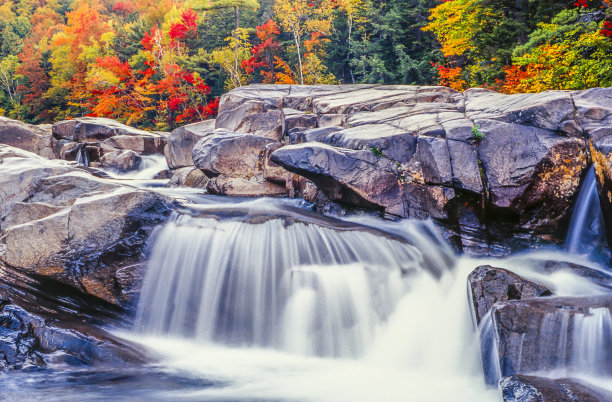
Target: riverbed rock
{"x":539,"y":334}
{"x":489,"y":285}
{"x":141,"y":144}
{"x":523,"y":388}
{"x":123,"y":161}
{"x":188,"y":177}
{"x":179,"y":151}
{"x":82,"y":229}
{"x":28,"y":340}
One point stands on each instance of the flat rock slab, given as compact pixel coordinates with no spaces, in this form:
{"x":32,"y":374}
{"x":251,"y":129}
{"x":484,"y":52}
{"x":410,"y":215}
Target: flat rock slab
{"x":523,"y":388}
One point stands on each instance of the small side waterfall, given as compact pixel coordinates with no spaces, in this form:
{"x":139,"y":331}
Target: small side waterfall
{"x":586,"y":228}
{"x":281,"y":283}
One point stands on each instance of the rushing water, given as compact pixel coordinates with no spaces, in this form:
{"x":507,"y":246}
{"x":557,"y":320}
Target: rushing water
{"x":263,"y":300}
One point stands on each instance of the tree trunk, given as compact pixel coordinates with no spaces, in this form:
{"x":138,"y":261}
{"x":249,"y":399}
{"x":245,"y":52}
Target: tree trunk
{"x":236,"y":15}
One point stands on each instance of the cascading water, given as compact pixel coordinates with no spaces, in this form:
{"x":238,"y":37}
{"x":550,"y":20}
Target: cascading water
{"x":292,"y":286}
{"x":586,"y":227}
{"x":278,"y":304}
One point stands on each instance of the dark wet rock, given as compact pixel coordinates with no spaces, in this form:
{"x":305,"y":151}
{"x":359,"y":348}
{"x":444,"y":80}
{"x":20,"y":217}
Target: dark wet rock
{"x":27,"y":137}
{"x":522,"y":388}
{"x":538,"y":334}
{"x":489,"y":285}
{"x":93,"y":129}
{"x":179,"y":151}
{"x":123,"y":161}
{"x":28,"y":340}
{"x":596,"y":275}
{"x":81,"y":229}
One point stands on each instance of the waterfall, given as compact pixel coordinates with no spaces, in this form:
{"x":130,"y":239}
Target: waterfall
{"x":586,"y":227}
{"x":282,"y":283}
{"x":149,"y":167}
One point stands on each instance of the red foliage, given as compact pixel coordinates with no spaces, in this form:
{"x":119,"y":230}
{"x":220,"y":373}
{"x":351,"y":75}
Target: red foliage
{"x":607,"y":29}
{"x":124,"y":8}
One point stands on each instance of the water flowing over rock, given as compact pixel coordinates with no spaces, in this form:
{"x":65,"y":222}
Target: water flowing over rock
{"x":219,"y":281}
{"x":489,"y":285}
{"x":554,"y":333}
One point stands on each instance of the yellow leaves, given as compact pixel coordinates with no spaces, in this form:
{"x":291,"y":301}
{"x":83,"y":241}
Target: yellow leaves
{"x":230,"y":58}
{"x":456,"y":23}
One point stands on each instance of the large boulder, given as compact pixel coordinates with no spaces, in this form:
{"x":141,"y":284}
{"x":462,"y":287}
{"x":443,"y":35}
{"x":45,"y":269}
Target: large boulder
{"x":93,"y":129}
{"x":141,"y":144}
{"x":489,"y":285}
{"x":27,"y":137}
{"x":60,"y":222}
{"x":260,"y":118}
{"x":179,"y":151}
{"x":123,"y":161}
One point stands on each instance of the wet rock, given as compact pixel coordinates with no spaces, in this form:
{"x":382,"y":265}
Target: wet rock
{"x":123,"y":161}
{"x":551,"y":333}
{"x":522,"y":388}
{"x":240,"y":187}
{"x":179,"y":151}
{"x":93,"y":129}
{"x":25,"y":136}
{"x":81,"y":229}
{"x":28,"y":340}
{"x":489,"y":285}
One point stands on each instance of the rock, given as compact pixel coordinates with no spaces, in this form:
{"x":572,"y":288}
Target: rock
{"x":93,"y":129}
{"x":231,"y":154}
{"x":551,"y":110}
{"x":532,"y":174}
{"x":181,"y":141}
{"x":28,"y":340}
{"x":488,"y":285}
{"x":122,"y":161}
{"x":594,"y":112}
{"x":353,"y":177}
{"x":271,"y":171}
{"x":554,"y":333}
{"x":299,"y":135}
{"x":260,"y":118}
{"x":25,"y":136}
{"x":240,"y":187}
{"x":188,"y":177}
{"x":295,"y":118}
{"x":81,"y":230}
{"x":141,"y":144}
{"x":522,"y":388}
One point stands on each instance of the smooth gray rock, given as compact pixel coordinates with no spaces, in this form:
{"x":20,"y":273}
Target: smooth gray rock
{"x":179,"y":150}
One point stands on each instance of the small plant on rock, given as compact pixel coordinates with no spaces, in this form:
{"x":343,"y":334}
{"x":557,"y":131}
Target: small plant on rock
{"x":478,"y":135}
{"x":376,"y":151}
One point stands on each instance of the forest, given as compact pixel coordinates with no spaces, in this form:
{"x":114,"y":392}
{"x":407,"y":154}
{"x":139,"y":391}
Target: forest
{"x":158,"y":64}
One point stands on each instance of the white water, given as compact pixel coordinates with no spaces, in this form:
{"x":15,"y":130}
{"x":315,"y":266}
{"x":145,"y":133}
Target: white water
{"x":284,"y":310}
{"x":586,"y":228}
{"x":149,"y":167}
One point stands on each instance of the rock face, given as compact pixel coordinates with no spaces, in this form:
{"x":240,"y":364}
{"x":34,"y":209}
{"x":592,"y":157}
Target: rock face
{"x":489,"y":285}
{"x":499,"y":171}
{"x":60,"y":222}
{"x":122,"y":161}
{"x":522,"y":388}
